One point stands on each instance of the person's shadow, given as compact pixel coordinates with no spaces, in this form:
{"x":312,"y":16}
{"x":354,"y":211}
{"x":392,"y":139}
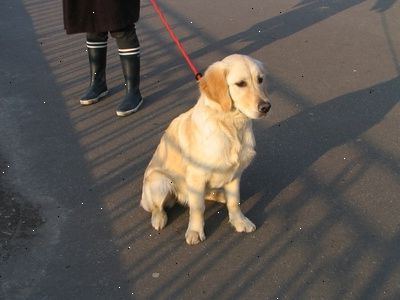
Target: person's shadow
{"x":286,"y":150}
{"x":383,"y":5}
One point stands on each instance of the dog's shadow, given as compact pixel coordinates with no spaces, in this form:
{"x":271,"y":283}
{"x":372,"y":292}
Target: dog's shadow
{"x":287,"y":149}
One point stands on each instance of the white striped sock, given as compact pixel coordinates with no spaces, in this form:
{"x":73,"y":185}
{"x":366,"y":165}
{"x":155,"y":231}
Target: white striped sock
{"x":96,"y":44}
{"x":129,"y":51}
{"x":105,"y":46}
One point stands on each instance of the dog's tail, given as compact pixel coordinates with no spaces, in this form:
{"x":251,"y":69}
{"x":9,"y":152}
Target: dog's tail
{"x":157,"y":189}
{"x":146,"y":201}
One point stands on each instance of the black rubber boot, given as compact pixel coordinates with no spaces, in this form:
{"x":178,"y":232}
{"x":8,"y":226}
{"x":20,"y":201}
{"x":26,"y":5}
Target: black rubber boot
{"x":98,"y":87}
{"x":133,"y":99}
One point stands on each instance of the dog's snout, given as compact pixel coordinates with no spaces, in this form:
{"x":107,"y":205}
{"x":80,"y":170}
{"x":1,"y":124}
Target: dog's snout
{"x":264,"y":107}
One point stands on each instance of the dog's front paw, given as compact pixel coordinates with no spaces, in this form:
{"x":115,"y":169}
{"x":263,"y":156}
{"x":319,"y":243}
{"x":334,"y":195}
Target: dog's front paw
{"x":159,"y":219}
{"x":243,"y":224}
{"x":194,"y":237}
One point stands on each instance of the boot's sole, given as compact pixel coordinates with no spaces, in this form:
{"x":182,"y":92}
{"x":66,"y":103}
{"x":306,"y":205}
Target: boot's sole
{"x":128,"y":112}
{"x":94,"y":100}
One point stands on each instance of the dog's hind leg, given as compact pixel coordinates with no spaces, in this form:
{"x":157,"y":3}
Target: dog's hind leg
{"x":157,"y":189}
{"x":217,"y":195}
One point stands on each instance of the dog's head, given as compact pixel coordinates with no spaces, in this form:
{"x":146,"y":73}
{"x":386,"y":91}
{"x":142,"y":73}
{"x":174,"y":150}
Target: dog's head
{"x":236,"y":83}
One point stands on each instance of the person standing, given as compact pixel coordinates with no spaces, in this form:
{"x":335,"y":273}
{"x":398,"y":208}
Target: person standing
{"x":97,"y":18}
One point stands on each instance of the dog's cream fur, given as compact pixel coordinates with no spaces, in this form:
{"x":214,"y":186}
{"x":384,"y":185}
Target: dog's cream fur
{"x":204,"y":151}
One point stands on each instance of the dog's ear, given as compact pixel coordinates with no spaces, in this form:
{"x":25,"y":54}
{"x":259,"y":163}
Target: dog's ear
{"x":214,"y":85}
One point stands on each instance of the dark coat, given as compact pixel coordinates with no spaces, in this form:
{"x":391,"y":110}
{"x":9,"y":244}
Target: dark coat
{"x":99,"y":15}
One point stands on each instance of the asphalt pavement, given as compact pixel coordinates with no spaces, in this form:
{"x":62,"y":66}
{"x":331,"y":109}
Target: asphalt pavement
{"x":323,"y":190}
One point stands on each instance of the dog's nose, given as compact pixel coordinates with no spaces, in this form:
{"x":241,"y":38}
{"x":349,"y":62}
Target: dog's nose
{"x":264,"y":107}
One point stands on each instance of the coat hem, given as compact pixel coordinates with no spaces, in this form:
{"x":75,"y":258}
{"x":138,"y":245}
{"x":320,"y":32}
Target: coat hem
{"x":114,"y":27}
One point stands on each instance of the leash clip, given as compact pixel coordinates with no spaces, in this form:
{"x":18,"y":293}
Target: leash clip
{"x":198,"y":76}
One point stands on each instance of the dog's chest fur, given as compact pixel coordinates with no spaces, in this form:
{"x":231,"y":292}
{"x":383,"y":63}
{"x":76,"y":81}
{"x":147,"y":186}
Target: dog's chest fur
{"x":228,"y":148}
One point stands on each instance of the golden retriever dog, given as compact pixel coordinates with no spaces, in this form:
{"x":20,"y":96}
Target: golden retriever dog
{"x":204,"y":151}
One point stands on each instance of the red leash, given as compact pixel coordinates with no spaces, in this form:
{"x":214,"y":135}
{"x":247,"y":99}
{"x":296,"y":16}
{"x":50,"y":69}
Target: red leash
{"x":196,"y":73}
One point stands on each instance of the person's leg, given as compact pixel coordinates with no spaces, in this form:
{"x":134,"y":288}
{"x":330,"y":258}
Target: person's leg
{"x":97,"y":51}
{"x":129,"y":52}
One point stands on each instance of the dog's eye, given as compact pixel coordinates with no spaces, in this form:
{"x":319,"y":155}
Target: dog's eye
{"x":260,"y":80}
{"x":241,"y":83}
